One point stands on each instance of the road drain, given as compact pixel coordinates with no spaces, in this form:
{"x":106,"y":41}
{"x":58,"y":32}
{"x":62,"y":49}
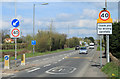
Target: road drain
{"x":61,"y":70}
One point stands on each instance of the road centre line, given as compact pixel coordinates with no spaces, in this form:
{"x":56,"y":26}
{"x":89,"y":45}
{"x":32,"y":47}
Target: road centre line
{"x":59,"y":60}
{"x":47,"y":65}
{"x":34,"y":70}
{"x":60,"y":70}
{"x":79,"y":57}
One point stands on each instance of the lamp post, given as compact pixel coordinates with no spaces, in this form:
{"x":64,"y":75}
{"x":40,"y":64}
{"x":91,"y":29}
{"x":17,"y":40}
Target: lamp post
{"x":34,"y":23}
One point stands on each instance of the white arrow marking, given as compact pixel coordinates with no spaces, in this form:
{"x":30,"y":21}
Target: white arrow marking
{"x":15,"y":23}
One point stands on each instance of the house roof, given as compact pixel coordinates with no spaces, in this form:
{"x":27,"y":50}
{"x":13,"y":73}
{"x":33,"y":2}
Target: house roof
{"x":9,"y":39}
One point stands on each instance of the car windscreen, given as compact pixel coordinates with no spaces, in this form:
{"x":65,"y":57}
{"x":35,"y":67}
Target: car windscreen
{"x":83,"y":48}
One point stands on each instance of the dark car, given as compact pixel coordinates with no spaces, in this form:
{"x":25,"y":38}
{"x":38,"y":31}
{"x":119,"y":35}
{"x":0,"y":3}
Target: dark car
{"x":77,"y":47}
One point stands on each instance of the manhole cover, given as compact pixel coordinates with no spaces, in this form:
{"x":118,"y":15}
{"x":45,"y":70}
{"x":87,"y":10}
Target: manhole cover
{"x":61,"y":70}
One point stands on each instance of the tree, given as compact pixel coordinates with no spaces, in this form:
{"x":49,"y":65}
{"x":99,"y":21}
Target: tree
{"x":74,"y":41}
{"x":115,"y":40}
{"x":5,"y":34}
{"x":28,"y":39}
{"x":92,"y":39}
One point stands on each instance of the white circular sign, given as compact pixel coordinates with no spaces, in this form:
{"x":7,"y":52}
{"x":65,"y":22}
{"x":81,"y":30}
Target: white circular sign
{"x":104,"y":15}
{"x":15,"y":32}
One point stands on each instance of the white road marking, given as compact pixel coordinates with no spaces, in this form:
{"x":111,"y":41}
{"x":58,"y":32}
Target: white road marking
{"x":52,"y":69}
{"x":59,"y":60}
{"x":60,"y":70}
{"x":34,"y":70}
{"x":73,"y":70}
{"x":47,"y":65}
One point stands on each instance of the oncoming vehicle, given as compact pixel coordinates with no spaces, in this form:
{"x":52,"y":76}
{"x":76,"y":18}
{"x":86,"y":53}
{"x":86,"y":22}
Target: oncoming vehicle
{"x":91,"y":46}
{"x":77,"y":47}
{"x":83,"y":50}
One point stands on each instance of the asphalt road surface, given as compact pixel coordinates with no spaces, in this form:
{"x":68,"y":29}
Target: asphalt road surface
{"x":63,"y":64}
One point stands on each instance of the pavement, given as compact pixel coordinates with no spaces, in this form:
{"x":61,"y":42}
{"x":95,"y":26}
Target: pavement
{"x":62,"y":64}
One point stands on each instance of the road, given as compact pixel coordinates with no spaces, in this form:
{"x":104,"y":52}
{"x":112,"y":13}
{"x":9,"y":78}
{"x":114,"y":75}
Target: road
{"x":63,"y":64}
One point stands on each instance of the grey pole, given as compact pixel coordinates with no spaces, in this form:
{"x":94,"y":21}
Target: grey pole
{"x":107,"y":40}
{"x":15,"y":42}
{"x":33,"y":25}
{"x":108,"y":57}
{"x":100,"y":50}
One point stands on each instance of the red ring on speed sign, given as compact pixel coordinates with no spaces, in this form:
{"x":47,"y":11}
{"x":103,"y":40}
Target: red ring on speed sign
{"x":17,"y":30}
{"x":104,"y":11}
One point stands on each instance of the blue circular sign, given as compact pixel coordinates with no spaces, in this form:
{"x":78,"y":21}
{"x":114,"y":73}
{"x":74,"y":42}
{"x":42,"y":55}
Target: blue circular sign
{"x":15,"y":23}
{"x":6,"y":57}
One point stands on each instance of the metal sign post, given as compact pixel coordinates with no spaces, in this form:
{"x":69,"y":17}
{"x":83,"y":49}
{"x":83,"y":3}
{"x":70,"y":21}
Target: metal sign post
{"x":100,"y":50}
{"x":15,"y":33}
{"x":15,"y":51}
{"x":107,"y":40}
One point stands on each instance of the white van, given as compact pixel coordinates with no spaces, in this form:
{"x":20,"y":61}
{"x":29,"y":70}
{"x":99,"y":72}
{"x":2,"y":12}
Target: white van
{"x":91,"y":46}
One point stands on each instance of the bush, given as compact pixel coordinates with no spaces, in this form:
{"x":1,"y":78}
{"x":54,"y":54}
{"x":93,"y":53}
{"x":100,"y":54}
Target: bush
{"x":73,"y":42}
{"x":12,"y":46}
{"x":48,"y":41}
{"x":115,"y":40}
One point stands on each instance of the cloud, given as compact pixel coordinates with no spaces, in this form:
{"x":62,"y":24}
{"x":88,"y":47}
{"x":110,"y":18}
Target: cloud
{"x":4,"y":24}
{"x":64,"y":17}
{"x":89,"y":13}
{"x":87,"y":23}
{"x":82,"y":31}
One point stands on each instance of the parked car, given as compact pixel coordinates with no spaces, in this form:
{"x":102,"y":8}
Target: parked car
{"x":91,"y":46}
{"x":77,"y":47}
{"x":83,"y":50}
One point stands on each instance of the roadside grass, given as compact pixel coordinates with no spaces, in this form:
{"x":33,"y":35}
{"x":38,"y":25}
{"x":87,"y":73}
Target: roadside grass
{"x":111,"y":69}
{"x":27,"y":55}
{"x":98,"y":48}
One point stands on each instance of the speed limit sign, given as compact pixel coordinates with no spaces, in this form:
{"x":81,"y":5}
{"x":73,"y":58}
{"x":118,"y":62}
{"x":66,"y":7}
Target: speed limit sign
{"x":15,"y":33}
{"x":104,"y":15}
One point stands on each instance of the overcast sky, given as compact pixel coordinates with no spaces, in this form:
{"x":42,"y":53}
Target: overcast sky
{"x":79,"y":16}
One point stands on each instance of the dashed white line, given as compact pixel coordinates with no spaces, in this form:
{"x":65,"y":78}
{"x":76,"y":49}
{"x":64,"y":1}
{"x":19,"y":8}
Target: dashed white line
{"x":34,"y":70}
{"x":59,"y":60}
{"x":60,"y":70}
{"x":47,"y":65}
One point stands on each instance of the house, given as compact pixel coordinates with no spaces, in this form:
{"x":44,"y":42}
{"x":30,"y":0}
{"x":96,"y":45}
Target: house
{"x":8,"y":40}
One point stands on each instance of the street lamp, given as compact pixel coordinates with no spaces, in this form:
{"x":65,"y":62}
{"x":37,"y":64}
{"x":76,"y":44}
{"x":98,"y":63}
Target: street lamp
{"x":34,"y":23}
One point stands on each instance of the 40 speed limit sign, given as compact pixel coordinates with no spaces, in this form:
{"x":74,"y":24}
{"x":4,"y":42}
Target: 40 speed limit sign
{"x":104,"y":15}
{"x":15,"y":32}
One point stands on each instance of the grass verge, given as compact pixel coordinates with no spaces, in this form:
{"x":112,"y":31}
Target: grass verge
{"x":98,"y":48}
{"x":111,"y":69}
{"x":38,"y":53}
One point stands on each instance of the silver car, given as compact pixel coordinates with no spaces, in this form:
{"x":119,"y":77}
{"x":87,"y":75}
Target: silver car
{"x":83,"y":50}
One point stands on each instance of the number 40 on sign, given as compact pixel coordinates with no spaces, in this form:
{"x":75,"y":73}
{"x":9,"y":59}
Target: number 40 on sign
{"x":15,"y":32}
